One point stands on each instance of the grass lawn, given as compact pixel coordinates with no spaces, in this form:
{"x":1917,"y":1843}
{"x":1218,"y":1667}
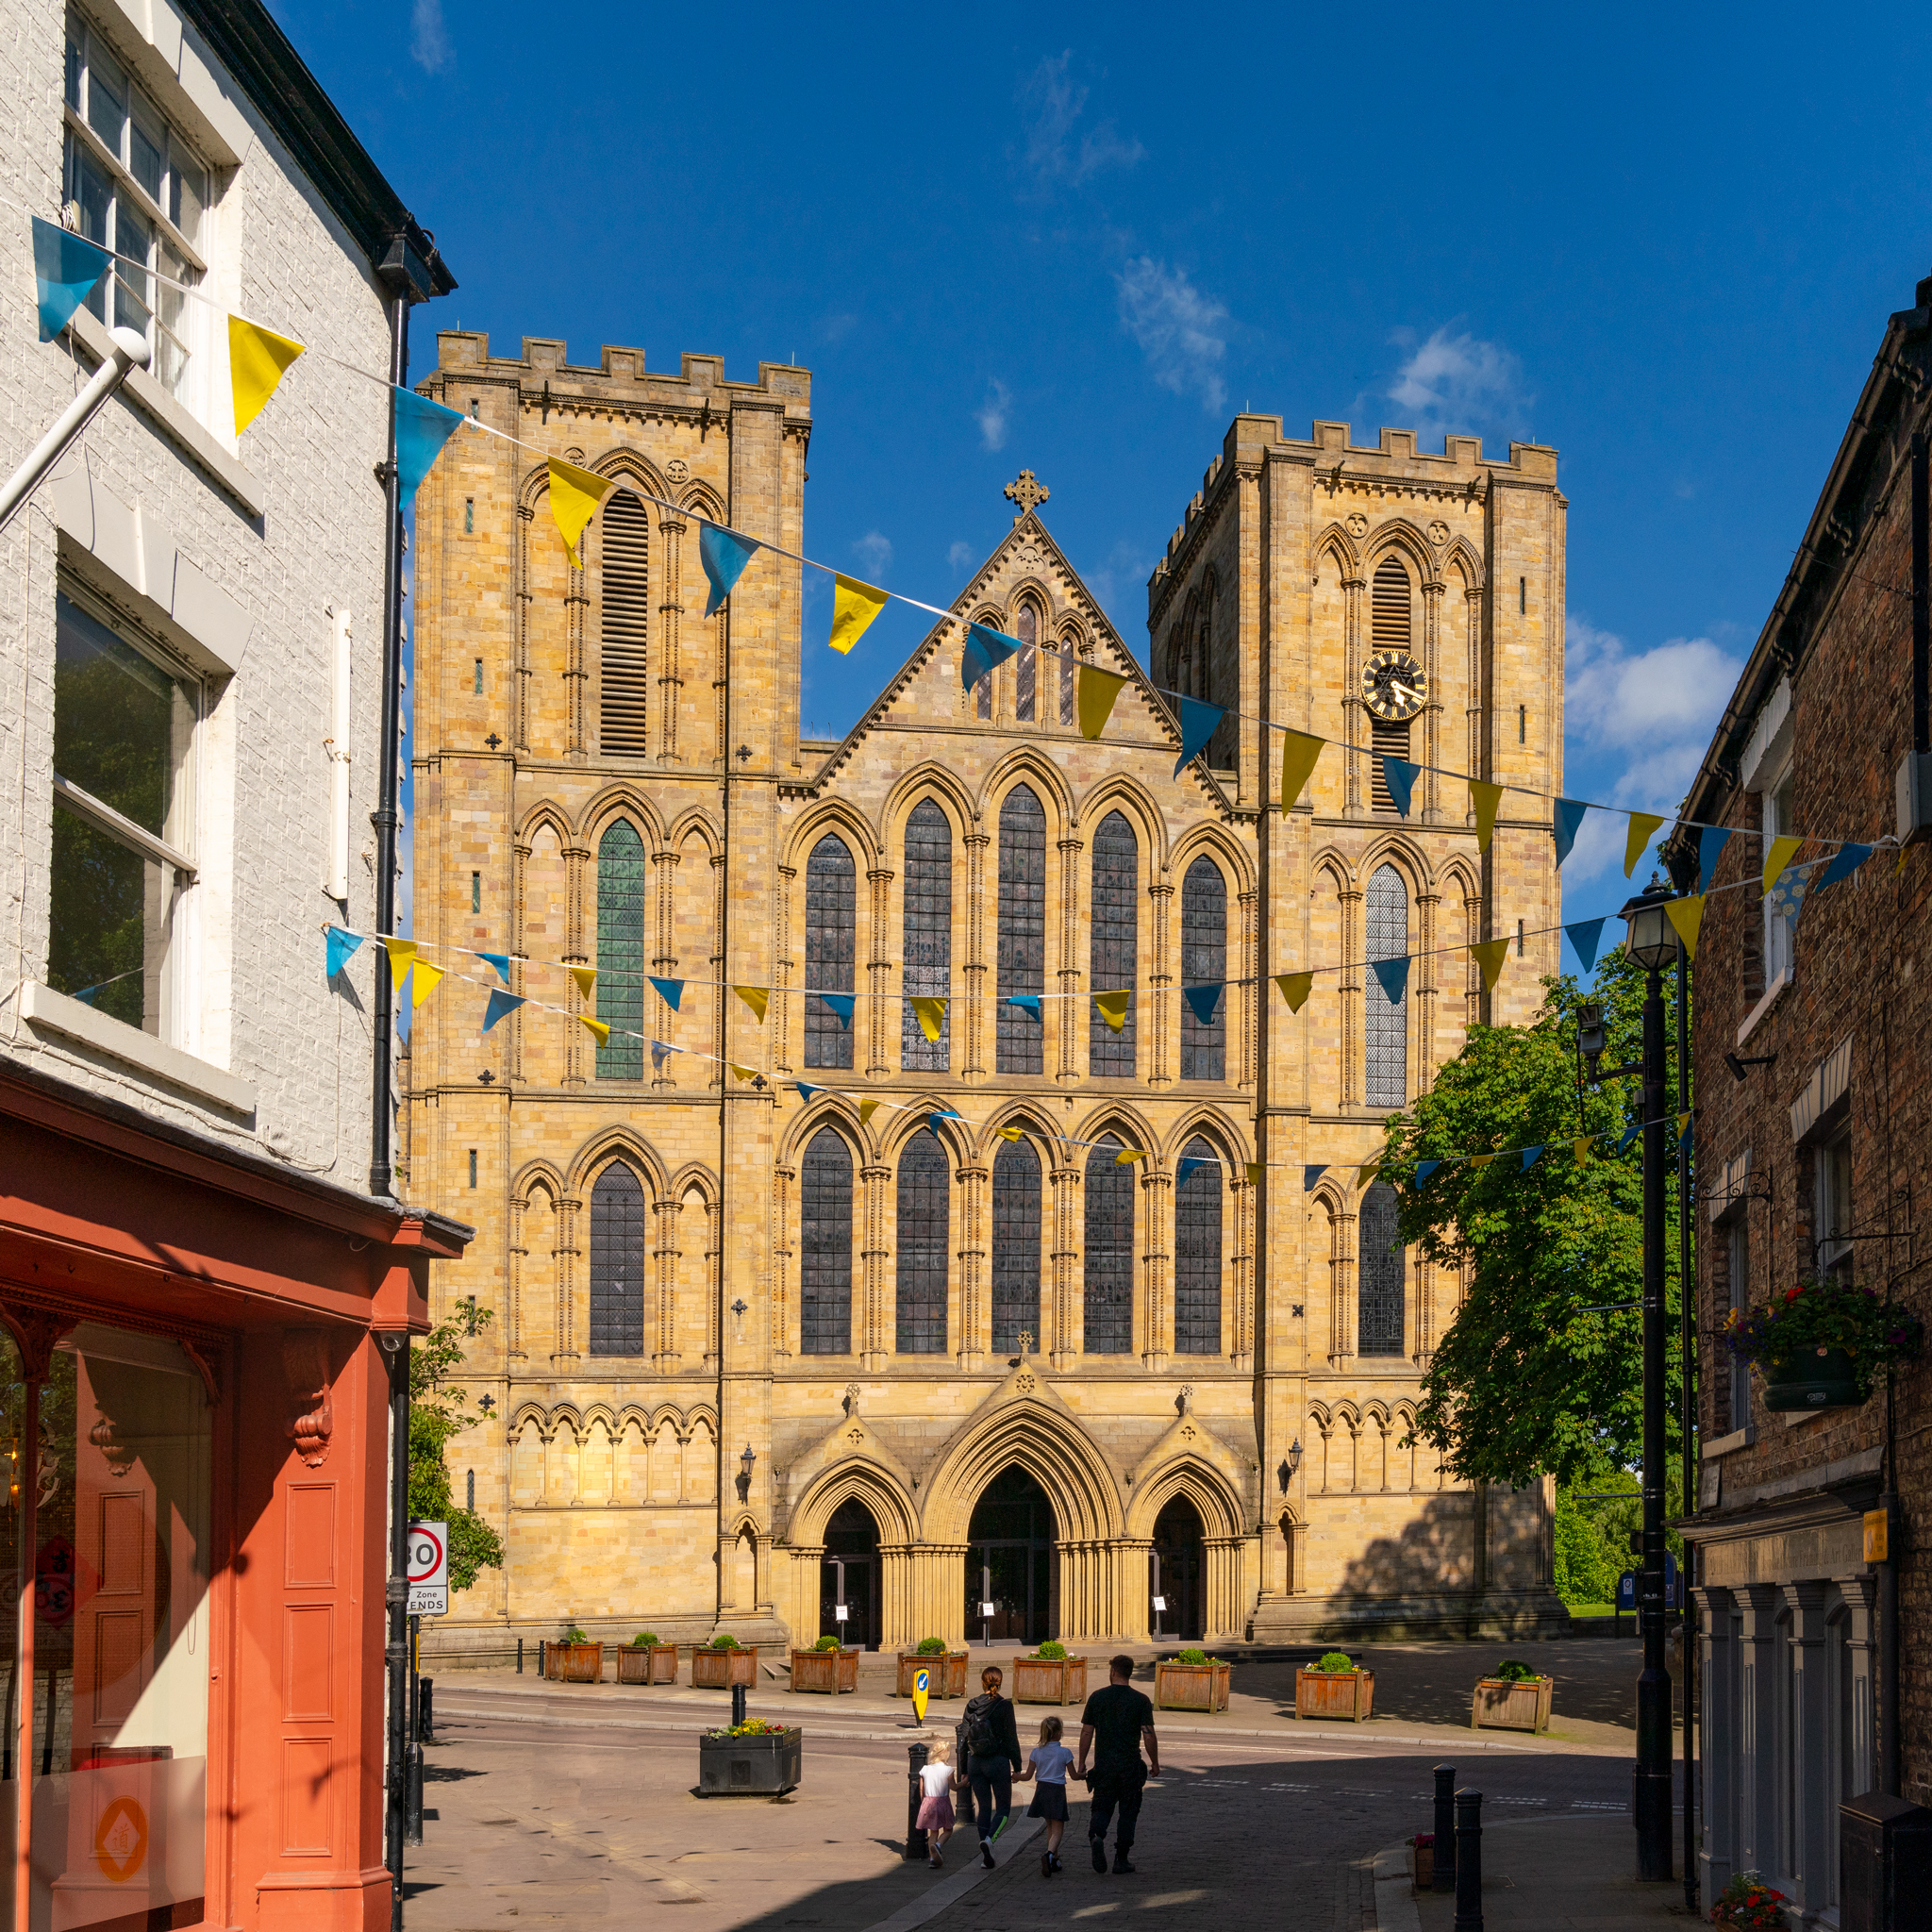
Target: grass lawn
{"x":1592,"y":1610}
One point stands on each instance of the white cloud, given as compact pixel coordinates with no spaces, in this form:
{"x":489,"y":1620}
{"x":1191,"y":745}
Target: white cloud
{"x":1054,"y":104}
{"x":1177,"y":328}
{"x":428,"y":36}
{"x":1121,"y":585}
{"x":1462,"y":385}
{"x":874,"y":554}
{"x":962,"y":555}
{"x":992,"y":415}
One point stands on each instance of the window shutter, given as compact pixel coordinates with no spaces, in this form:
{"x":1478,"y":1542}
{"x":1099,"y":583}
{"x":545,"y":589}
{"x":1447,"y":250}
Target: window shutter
{"x":626,"y":716}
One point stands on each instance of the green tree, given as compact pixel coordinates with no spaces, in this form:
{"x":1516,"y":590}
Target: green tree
{"x":438,"y":1413}
{"x":1524,"y":1382}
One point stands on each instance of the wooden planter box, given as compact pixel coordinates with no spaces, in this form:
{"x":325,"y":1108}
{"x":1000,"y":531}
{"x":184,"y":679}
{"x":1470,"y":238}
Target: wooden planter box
{"x":1049,"y":1680}
{"x":574,"y":1663}
{"x":717,"y":1669}
{"x":654,"y":1663}
{"x":1335,"y":1693}
{"x":1502,"y":1705}
{"x":1192,"y":1686}
{"x":750,"y":1767}
{"x":947,"y":1668}
{"x":828,"y":1671}
{"x":1425,"y":1868}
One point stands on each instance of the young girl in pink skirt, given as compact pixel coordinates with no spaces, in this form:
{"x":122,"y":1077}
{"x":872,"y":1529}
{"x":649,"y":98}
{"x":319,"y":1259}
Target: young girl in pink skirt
{"x":936,"y":1799}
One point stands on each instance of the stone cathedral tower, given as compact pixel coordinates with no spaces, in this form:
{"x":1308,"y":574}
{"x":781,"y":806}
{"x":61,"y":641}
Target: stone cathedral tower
{"x":946,"y":1364}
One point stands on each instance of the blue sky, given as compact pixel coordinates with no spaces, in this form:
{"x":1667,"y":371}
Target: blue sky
{"x":1078,"y":240}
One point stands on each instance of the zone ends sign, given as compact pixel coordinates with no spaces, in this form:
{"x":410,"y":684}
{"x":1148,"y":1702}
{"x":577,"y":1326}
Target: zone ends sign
{"x":428,"y":1551}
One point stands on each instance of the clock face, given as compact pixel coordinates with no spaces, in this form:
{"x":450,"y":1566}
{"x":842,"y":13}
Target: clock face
{"x":1393,"y":685}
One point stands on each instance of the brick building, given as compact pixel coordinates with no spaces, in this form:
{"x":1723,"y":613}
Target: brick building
{"x":1811,"y":1156}
{"x":758,"y":1356}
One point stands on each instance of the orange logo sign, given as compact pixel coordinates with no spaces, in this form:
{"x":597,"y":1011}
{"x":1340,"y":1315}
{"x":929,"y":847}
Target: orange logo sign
{"x":120,"y":1839}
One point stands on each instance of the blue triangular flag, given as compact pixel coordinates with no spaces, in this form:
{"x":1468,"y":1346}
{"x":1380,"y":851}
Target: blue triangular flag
{"x":500,"y":1004}
{"x":983,"y":649}
{"x":1189,"y":1164}
{"x":1028,"y":1003}
{"x":1684,"y":1140}
{"x":1197,"y":726}
{"x":1393,"y":974}
{"x":1400,"y":776}
{"x":659,"y":1053}
{"x":421,"y":429}
{"x":1424,"y":1169}
{"x":67,"y":269}
{"x":1204,"y":999}
{"x":1311,"y":1176}
{"x":939,"y":1114}
{"x":669,"y":991}
{"x":724,"y":554}
{"x":1849,"y":858}
{"x":805,"y":1093}
{"x":1569,"y":813}
{"x":88,"y":995}
{"x":1710,"y":841}
{"x":1630,"y":1135}
{"x":342,"y":945}
{"x":1586,"y":936}
{"x":840,"y":1004}
{"x":1531,"y":1155}
{"x":1788,"y":894}
{"x":501,"y":962}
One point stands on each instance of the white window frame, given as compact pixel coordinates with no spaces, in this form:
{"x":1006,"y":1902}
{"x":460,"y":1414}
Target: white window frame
{"x":1776,"y":804}
{"x":1835,"y":1203}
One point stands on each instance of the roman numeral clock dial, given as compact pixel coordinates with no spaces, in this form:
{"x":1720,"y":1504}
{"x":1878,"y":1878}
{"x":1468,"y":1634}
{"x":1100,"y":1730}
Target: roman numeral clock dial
{"x":1393,"y":685}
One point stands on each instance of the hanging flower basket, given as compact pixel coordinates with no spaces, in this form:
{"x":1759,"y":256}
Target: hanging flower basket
{"x":1819,"y":1378}
{"x":1821,"y":1344}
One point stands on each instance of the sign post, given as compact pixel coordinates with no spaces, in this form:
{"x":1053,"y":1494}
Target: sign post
{"x":428,"y":1552}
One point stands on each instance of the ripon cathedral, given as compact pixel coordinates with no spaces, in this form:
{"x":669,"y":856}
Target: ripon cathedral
{"x":784,"y":1364}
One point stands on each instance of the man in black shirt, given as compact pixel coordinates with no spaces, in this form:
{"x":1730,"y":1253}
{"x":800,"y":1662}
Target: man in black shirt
{"x":1118,"y":1719}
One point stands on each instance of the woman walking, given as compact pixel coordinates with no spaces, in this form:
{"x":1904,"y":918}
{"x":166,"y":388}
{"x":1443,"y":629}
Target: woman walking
{"x":936,"y":1800}
{"x":1047,"y":1763}
{"x":993,"y":1741}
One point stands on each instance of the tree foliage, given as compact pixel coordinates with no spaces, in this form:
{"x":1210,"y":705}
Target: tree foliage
{"x":439,"y":1413}
{"x":1523,"y":1382}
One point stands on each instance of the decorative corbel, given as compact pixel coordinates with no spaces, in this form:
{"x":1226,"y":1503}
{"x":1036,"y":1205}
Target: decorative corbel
{"x":305,"y":1364}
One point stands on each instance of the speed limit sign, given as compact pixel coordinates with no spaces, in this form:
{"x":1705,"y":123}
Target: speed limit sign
{"x":428,"y":1555}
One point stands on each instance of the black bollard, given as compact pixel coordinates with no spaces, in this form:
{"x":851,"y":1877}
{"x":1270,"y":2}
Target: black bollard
{"x":412,"y":1811}
{"x":543,"y":1658}
{"x":1469,"y":1861}
{"x":520,"y":1657}
{"x":917,"y":1843}
{"x":738,"y":1703}
{"x":427,"y":1710}
{"x":1444,"y":1868}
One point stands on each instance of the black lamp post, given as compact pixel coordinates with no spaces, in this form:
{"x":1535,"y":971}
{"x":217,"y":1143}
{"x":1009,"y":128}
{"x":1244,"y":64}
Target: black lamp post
{"x":1652,"y":944}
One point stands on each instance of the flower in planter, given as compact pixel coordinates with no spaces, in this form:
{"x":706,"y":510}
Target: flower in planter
{"x":1332,"y":1661}
{"x":1194,"y":1657}
{"x":751,"y":1727}
{"x":1749,"y":1905}
{"x":1512,"y":1671}
{"x":1817,"y":1316}
{"x":1423,"y":1840}
{"x":826,"y":1643}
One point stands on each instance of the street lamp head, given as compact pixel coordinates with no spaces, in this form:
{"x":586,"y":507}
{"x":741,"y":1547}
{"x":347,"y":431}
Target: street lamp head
{"x":1651,"y":941}
{"x":747,"y":1461}
{"x":1591,"y":1039}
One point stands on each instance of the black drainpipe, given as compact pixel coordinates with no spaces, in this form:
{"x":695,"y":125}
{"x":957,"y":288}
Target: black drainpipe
{"x":1922,"y":603}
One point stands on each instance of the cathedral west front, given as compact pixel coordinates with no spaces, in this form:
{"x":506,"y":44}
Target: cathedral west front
{"x":760,"y":1352}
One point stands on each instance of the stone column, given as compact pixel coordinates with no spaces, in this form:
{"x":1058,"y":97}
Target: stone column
{"x":569,"y":1207}
{"x":666,"y":1255}
{"x":1472,"y":606}
{"x":1163,"y":1007}
{"x":1156,"y":1299}
{"x":519,"y":1261}
{"x":1429,"y":923}
{"x":1067,"y":1249}
{"x":664,"y":961}
{"x":519,"y":688}
{"x":1342,"y":1334}
{"x":784,"y":974}
{"x":975,"y":1039}
{"x":876,"y":1303}
{"x":1242,"y":1312}
{"x":520,"y":875}
{"x":1354,"y":978}
{"x":784,"y":1188}
{"x":1756,"y":1727}
{"x":1071,"y":1014}
{"x":715,"y":1257}
{"x":670,"y":620}
{"x":975,"y":1312}
{"x":1717,"y":1739}
{"x":883,"y":1014}
{"x":578,"y":859}
{"x":1860,"y":1595}
{"x":576,"y":674}
{"x":720,"y":992}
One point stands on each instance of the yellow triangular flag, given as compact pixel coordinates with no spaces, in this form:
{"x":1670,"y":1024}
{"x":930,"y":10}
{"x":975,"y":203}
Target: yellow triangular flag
{"x":853,"y":606}
{"x":1490,"y":956}
{"x":1256,"y":1169}
{"x":1113,"y":1008}
{"x":597,"y":1026}
{"x":1580,"y":1147}
{"x":402,"y":955}
{"x":1480,"y":1159}
{"x":1684,"y":1119}
{"x":1098,"y":689}
{"x":1642,"y":824}
{"x":575,"y":496}
{"x":1780,"y":855}
{"x":1299,"y":752}
{"x":1484,"y":798}
{"x":586,"y":978}
{"x":1296,"y":988}
{"x":1011,"y":1133}
{"x":257,"y":360}
{"x":1127,"y":1155}
{"x":749,"y":1072}
{"x":931,"y":1014}
{"x":1369,"y":1174}
{"x":1687,"y":915}
{"x":424,"y":984}
{"x":866,"y":1110}
{"x":756,"y":997}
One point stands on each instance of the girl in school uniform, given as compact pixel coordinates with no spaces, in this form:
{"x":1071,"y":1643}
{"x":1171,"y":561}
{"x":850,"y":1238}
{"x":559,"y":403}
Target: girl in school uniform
{"x":1047,"y":1764}
{"x":936,"y":1799}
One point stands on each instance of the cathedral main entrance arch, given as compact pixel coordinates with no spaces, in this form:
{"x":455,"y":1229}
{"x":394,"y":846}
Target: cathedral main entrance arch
{"x":1010,"y":1567}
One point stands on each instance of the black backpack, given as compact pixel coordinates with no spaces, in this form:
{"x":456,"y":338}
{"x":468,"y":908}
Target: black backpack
{"x":982,"y":1733}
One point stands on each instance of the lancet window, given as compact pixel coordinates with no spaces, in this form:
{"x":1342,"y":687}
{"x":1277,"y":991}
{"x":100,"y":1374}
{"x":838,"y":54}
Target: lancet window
{"x":831,"y":889}
{"x":1110,"y":1261}
{"x":618,"y":1243}
{"x":928,"y":933}
{"x":1197,"y":1253}
{"x":825,"y":1299}
{"x":1387,"y":1028}
{"x":1204,"y":960}
{"x":1021,"y":962}
{"x":1112,"y":954}
{"x":923,"y":1244}
{"x":620,"y":951}
{"x":1015,"y":1246}
{"x":1380,"y":1275}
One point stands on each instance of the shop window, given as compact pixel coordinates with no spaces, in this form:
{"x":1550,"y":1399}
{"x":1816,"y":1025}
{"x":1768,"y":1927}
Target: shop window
{"x":1204,"y":960}
{"x":1109,"y":1326}
{"x":1111,"y":959}
{"x":124,"y":729}
{"x":1015,"y":1246}
{"x":1197,"y":1253}
{"x":922,"y":1246}
{"x":1021,"y":962}
{"x":825,"y":1246}
{"x":620,"y":951}
{"x":618,"y":1236}
{"x":928,"y":933}
{"x":831,"y":886}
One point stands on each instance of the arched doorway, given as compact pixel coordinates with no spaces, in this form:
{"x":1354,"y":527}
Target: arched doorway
{"x":1177,"y":1561}
{"x":1009,"y":1562}
{"x":849,"y":1576}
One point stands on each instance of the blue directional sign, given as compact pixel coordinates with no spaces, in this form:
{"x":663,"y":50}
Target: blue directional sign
{"x":1626,"y":1590}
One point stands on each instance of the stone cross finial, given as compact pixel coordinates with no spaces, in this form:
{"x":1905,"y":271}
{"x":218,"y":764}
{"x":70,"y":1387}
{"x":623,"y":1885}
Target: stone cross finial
{"x":1028,"y":491}
{"x":1025,"y":1342}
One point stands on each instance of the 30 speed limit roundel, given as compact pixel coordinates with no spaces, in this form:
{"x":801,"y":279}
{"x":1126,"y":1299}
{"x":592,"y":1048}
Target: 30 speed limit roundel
{"x":427,"y":1567}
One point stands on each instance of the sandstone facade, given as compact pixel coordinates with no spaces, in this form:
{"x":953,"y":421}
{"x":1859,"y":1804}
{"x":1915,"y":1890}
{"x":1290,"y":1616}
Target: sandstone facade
{"x":605,"y":776}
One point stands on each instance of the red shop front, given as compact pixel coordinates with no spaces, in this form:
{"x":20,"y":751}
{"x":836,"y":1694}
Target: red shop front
{"x":195,"y":1558}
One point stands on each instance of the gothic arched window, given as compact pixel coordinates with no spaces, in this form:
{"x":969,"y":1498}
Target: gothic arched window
{"x":617,"y":1262}
{"x":1204,"y":960}
{"x":831,"y":887}
{"x":1070,"y":649}
{"x":620,"y":951}
{"x":1111,"y":956}
{"x":1108,"y":1322}
{"x":825,"y":1299}
{"x":1390,"y":598}
{"x":1380,"y":1275}
{"x":624,"y":532}
{"x":1197,"y":1253}
{"x":1387,"y":1028}
{"x":1026,"y":675}
{"x":1022,"y":963}
{"x":928,"y":933}
{"x":1015,"y":1246}
{"x":982,"y":692}
{"x":922,"y":1244}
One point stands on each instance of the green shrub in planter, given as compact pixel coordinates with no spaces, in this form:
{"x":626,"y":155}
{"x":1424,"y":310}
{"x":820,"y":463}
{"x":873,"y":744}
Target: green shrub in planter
{"x":573,"y":1635}
{"x":1194,"y":1657}
{"x":644,"y":1640}
{"x":1051,"y":1651}
{"x":724,"y":1640}
{"x":1333,"y":1660}
{"x":1511,"y":1670}
{"x":931,"y":1646}
{"x":826,"y":1643}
